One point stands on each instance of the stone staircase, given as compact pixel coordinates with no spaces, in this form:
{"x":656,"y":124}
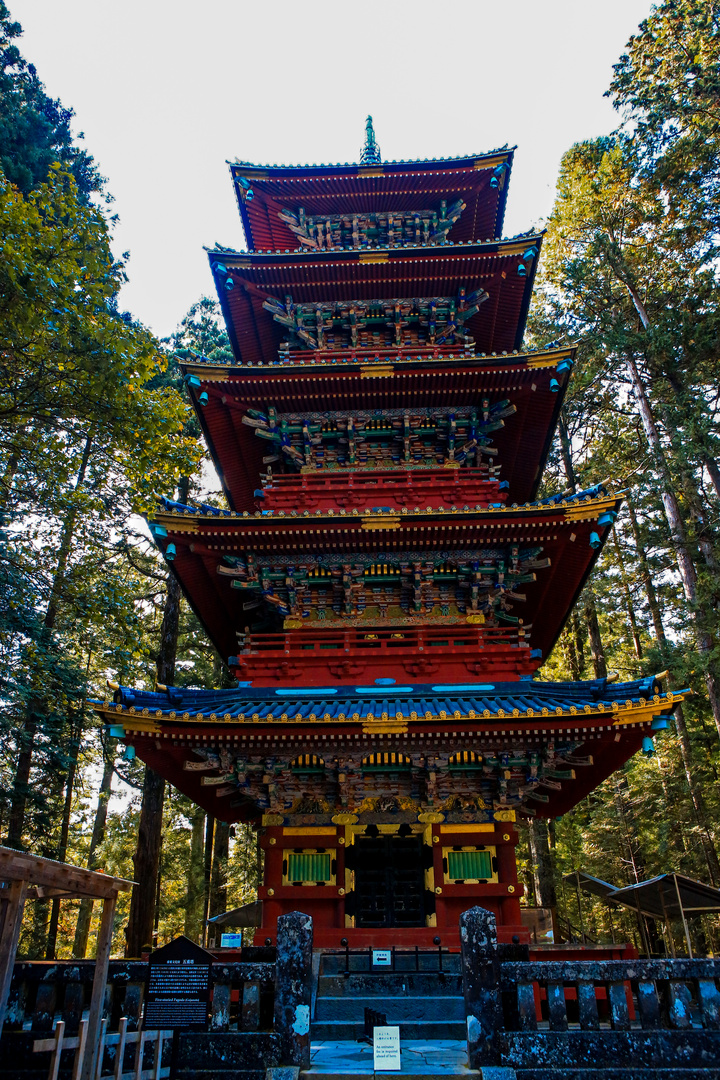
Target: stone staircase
{"x":425,"y":1003}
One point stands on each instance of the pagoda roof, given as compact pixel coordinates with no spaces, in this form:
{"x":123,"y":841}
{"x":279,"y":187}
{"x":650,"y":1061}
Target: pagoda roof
{"x":246,"y":280}
{"x":608,"y":720}
{"x":560,"y":529}
{"x":360,"y":383}
{"x":356,"y":188}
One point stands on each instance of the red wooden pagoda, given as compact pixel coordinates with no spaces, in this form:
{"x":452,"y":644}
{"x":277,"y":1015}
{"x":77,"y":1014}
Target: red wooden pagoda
{"x":384,"y":586}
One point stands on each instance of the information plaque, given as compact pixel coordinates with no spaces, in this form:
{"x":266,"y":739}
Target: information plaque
{"x":178,"y":988}
{"x":386,"y":1049}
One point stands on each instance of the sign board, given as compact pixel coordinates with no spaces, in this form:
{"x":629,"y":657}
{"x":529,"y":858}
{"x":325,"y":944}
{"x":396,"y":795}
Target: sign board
{"x":178,"y":988}
{"x":386,"y":1049}
{"x":231,"y":941}
{"x":381,"y":957}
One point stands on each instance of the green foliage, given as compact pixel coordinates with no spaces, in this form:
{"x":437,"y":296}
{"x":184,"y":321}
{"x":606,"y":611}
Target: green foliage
{"x":34,"y":129}
{"x":666,"y":88}
{"x":94,"y":422}
{"x":629,"y":274}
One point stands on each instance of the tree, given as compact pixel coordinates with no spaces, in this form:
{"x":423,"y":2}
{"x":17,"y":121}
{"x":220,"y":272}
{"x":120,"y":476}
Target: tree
{"x":619,"y":275}
{"x":80,"y":391}
{"x":34,"y":129}
{"x":665,"y":86}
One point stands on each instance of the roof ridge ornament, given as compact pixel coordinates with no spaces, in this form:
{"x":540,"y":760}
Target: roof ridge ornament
{"x":370,"y":154}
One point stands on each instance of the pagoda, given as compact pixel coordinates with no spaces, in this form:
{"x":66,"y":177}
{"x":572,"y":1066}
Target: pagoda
{"x":385,"y":583}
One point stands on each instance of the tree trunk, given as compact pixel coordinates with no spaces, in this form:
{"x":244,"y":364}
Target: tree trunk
{"x":543,"y":872}
{"x":694,"y":788}
{"x":692,"y":419}
{"x":218,"y":884}
{"x":596,"y":646}
{"x":697,"y":798}
{"x":566,"y":451}
{"x":630,"y":607}
{"x":82,"y":927}
{"x":147,"y":854}
{"x":713,"y":471}
{"x":579,"y":642}
{"x":207,"y":871}
{"x":26,"y":741}
{"x":62,"y":848}
{"x":145,"y":865}
{"x":195,"y":880}
{"x":676,"y":525}
{"x":570,"y":651}
{"x":646,"y":577}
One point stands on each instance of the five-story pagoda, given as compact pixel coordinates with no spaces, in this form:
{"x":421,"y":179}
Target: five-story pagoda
{"x":384,"y":586}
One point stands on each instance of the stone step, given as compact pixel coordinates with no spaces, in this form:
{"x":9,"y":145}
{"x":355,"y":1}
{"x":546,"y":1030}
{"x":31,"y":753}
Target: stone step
{"x":439,"y":1060}
{"x":398,"y":1009}
{"x":351,"y":1030}
{"x":218,"y":1074}
{"x":390,"y":984}
{"x":618,"y":1074}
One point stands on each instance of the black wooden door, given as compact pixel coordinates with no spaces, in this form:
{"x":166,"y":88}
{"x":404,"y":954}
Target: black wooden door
{"x":389,"y":881}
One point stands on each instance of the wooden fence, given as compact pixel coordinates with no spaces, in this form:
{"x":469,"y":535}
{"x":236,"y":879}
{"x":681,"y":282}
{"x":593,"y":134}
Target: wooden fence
{"x":119,"y":1041}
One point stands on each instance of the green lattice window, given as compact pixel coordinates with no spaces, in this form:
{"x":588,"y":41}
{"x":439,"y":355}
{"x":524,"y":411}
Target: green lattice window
{"x":469,"y":864}
{"x":307,"y":867}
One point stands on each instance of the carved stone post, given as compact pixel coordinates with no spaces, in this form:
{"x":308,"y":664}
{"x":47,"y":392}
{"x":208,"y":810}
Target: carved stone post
{"x":481,"y":985}
{"x":293,"y":984}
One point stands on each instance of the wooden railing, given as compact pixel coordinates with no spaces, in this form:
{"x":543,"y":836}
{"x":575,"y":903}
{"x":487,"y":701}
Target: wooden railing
{"x":373,"y":354}
{"x":259,"y":1018}
{"x":570,"y":1016}
{"x":618,"y":995}
{"x":471,"y":638}
{"x":43,"y":993}
{"x":117,"y":1044}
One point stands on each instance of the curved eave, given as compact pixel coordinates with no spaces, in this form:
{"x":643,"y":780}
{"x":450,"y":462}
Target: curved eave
{"x":611,"y":731}
{"x":380,"y":274}
{"x":562,"y":532}
{"x":262,"y":714}
{"x":523,"y":443}
{"x":354,"y":187}
{"x":397,"y":359}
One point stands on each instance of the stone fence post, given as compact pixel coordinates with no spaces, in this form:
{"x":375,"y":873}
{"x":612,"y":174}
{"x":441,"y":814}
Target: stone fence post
{"x":293,"y":985}
{"x":481,"y":985}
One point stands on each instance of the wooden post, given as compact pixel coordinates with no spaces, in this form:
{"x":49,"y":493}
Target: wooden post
{"x":682,"y":916}
{"x":668,"y":926}
{"x":57,"y":1050}
{"x":81,"y":1049}
{"x":139,"y":1048}
{"x":120,"y":1054}
{"x":157,"y":1065}
{"x":101,"y":1047}
{"x":14,"y":906}
{"x":642,"y":927}
{"x":98,"y":988}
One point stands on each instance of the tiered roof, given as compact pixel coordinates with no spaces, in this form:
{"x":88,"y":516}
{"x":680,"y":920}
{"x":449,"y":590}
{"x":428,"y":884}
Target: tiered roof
{"x":264,"y":192}
{"x":533,"y":384}
{"x":531,"y":746}
{"x":530,"y":562}
{"x":499,"y":272}
{"x":384,"y":585}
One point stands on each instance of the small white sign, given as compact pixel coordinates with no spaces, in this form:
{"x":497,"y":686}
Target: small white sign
{"x":382,"y":957}
{"x":386,"y":1049}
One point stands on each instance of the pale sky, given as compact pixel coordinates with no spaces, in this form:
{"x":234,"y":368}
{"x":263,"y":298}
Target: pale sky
{"x":166,"y":92}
